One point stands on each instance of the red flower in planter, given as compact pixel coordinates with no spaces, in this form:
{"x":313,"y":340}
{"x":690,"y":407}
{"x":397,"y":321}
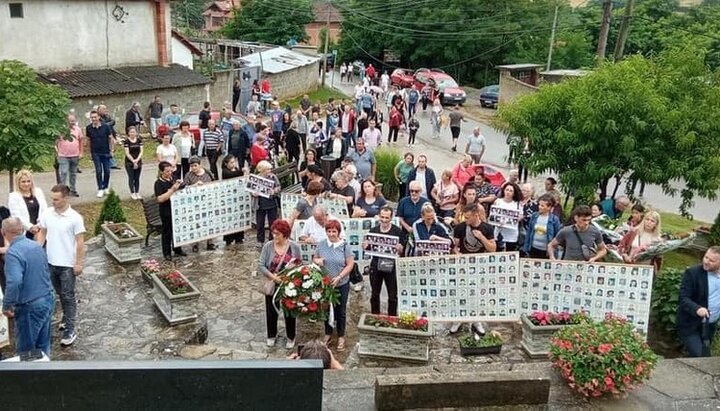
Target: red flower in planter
{"x":312,"y":307}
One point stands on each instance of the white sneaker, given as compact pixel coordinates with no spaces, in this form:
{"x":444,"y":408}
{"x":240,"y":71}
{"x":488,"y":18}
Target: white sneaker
{"x":455,"y":327}
{"x":68,"y":339}
{"x":290,"y":344}
{"x":271,"y":342}
{"x":100,"y":193}
{"x":107,"y":191}
{"x":358,"y":286}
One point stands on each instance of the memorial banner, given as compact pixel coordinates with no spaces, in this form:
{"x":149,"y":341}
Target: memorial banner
{"x":202,"y":212}
{"x":335,"y":207}
{"x":426,"y":247}
{"x":503,"y":217}
{"x":260,"y":185}
{"x":381,"y":245}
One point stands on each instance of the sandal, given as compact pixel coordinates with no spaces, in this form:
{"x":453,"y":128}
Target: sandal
{"x":326,"y":340}
{"x":341,"y":344}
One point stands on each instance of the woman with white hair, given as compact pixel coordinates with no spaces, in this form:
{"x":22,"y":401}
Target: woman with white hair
{"x":27,"y":202}
{"x":266,"y":208}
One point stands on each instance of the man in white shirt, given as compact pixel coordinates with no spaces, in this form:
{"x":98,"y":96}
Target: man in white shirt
{"x":384,"y":81}
{"x":372,"y":136}
{"x":314,"y":230}
{"x":62,"y":230}
{"x":351,"y":174}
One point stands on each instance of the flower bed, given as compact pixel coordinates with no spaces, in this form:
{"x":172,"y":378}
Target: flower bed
{"x":539,"y":327}
{"x":175,"y":296}
{"x":122,"y":241}
{"x":597,"y":358}
{"x":490,"y":343}
{"x":406,"y":337}
{"x":306,"y":291}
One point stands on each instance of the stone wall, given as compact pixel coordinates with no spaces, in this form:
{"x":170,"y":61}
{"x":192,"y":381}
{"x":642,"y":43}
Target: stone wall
{"x":512,"y":88}
{"x":295,"y":82}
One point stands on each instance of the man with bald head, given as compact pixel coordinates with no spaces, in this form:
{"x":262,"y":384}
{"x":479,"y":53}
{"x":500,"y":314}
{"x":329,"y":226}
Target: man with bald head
{"x":28,"y":292}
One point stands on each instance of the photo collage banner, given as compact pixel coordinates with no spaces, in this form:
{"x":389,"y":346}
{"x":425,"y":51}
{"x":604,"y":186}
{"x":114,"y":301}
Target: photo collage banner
{"x":354,"y":230}
{"x":203,"y":212}
{"x":502,"y":286}
{"x":336,"y":208}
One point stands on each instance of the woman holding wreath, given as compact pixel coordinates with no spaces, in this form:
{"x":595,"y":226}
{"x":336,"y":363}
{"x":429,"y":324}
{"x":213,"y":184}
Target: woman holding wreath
{"x":276,"y":255}
{"x":336,"y":257}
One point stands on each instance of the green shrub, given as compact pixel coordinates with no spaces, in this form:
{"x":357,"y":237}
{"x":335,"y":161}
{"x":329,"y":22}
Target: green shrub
{"x":111,"y":211}
{"x":714,"y":237}
{"x":665,"y":297}
{"x":387,"y":158}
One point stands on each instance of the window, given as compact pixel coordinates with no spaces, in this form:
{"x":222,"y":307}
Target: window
{"x":16,"y":10}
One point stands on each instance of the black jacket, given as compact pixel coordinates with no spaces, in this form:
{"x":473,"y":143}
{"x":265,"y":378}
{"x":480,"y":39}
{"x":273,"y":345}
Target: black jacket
{"x":130,"y":119}
{"x":429,"y":180}
{"x":693,"y":295}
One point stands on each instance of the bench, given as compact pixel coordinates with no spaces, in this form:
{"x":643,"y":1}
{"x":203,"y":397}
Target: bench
{"x":151,"y":208}
{"x":285,"y":171}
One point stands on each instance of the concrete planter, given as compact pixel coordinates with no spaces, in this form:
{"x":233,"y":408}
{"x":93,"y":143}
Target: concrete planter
{"x":395,"y":343}
{"x":536,"y":338}
{"x":702,"y":239}
{"x":177,"y":309}
{"x":124,"y":250}
{"x":146,"y":276}
{"x":493,"y":349}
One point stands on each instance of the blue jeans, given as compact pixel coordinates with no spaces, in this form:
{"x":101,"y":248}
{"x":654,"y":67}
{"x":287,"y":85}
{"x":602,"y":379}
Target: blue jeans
{"x":68,"y":169}
{"x":340,"y":312}
{"x":102,"y":170}
{"x":694,"y":342}
{"x":33,"y":322}
{"x":63,"y":280}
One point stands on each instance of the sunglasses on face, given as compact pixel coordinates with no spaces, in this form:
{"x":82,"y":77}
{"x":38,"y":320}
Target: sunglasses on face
{"x":415,"y":191}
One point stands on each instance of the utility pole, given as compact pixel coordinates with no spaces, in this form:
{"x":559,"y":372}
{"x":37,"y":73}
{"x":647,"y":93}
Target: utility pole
{"x":604,"y":30}
{"x":624,"y":30}
{"x":327,"y":43}
{"x":552,"y":39}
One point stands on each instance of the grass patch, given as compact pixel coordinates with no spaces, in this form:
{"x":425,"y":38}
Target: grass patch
{"x":133,"y":212}
{"x":676,"y":223}
{"x":681,"y":259}
{"x":321,"y":94}
{"x":86,"y":163}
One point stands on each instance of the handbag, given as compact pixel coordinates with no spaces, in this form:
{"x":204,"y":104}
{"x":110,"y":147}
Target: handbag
{"x":267,"y":287}
{"x":385,"y":265}
{"x":355,"y":276}
{"x":587,"y":252}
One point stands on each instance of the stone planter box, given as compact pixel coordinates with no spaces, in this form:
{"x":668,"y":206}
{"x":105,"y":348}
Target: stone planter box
{"x":395,"y":343}
{"x":147,"y":277}
{"x":177,"y":309}
{"x":702,"y":239}
{"x":536,"y":339}
{"x":493,"y":349}
{"x":124,"y":250}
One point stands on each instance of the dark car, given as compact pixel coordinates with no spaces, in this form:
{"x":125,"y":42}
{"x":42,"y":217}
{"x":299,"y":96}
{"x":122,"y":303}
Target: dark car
{"x":489,"y":96}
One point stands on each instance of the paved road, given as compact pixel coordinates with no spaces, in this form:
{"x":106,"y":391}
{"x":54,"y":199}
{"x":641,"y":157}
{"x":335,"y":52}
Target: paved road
{"x":496,"y":154}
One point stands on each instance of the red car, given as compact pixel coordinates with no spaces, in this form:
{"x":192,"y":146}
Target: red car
{"x":402,"y":78}
{"x":448,"y":89}
{"x":194,"y":121}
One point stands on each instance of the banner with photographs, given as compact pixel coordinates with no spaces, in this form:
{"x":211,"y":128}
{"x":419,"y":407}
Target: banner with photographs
{"x":501,"y":286}
{"x":354,"y":230}
{"x":427,"y":247}
{"x":335,"y":207}
{"x":260,"y":185}
{"x":460,"y":287}
{"x":381,"y":245}
{"x":504,"y":217}
{"x":202,"y":212}
{"x":596,"y":288}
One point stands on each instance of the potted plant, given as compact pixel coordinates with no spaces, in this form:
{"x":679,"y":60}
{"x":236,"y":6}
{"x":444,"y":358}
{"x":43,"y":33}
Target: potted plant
{"x":598,"y":358}
{"x":175,"y":296}
{"x":148,"y":268}
{"x":539,"y":326}
{"x":406,"y":337}
{"x":490,"y":343}
{"x":122,"y":241}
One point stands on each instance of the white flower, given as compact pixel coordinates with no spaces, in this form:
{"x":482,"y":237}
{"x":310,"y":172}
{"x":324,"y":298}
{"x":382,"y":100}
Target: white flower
{"x":290,"y":285}
{"x":290,"y":292}
{"x":307,"y":284}
{"x":301,"y":304}
{"x":306,"y":277}
{"x":315,"y":296}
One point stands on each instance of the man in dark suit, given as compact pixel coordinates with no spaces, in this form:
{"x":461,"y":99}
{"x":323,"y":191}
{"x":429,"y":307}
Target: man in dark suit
{"x":425,"y":175}
{"x":699,"y":306}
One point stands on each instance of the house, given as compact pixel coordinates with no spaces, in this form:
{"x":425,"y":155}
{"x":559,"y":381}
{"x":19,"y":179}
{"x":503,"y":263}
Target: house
{"x":218,"y":13}
{"x":517,"y":80}
{"x":322,"y":10}
{"x":183,"y":51}
{"x":102,"y":52}
{"x":556,"y":76}
{"x":291,"y":73}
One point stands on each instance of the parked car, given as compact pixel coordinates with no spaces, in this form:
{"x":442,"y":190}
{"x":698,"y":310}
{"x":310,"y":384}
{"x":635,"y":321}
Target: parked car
{"x":402,"y":77}
{"x":489,"y":96}
{"x":194,"y":120}
{"x":449,"y":92}
{"x":357,"y":67}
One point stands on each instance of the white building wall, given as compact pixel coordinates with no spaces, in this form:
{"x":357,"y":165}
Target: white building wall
{"x":64,"y":34}
{"x":181,"y":54}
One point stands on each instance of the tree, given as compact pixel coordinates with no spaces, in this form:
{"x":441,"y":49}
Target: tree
{"x":111,"y":211}
{"x":649,"y":120}
{"x":32,"y":115}
{"x":270,"y":21}
{"x":188,"y":14}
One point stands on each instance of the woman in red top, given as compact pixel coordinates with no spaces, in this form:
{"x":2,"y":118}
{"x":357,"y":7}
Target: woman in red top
{"x":258,"y":152}
{"x":394,"y":122}
{"x":463,"y":171}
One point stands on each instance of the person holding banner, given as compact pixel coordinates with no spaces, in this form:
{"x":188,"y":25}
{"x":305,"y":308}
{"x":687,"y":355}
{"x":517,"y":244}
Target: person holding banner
{"x":507,"y":232}
{"x":383,"y":269}
{"x":276,"y":255}
{"x":336,"y":257}
{"x":165,"y":187}
{"x":199,"y":175}
{"x":266,"y":207}
{"x":342,"y":190}
{"x":231,"y":169}
{"x":427,"y":228}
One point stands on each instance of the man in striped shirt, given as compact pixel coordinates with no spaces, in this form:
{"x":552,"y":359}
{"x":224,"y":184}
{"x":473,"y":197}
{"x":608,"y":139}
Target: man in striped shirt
{"x":212,"y":141}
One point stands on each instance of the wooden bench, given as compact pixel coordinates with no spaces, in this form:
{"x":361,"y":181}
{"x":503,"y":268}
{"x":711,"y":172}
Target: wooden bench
{"x":289,"y":170}
{"x":151,"y":208}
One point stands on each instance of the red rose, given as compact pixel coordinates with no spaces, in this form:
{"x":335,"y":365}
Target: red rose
{"x":604,"y":348}
{"x":297,"y":282}
{"x":304,"y":270}
{"x":312,"y":307}
{"x":289,"y":304}
{"x":326,"y":280}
